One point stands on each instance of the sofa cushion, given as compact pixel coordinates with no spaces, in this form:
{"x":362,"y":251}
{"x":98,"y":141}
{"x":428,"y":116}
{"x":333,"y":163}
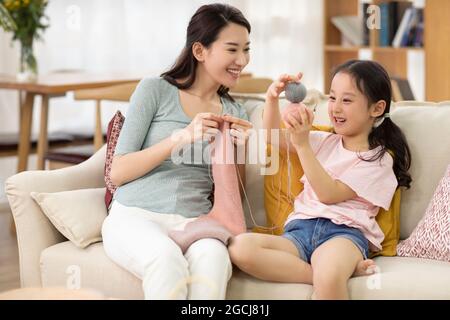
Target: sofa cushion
{"x":400,"y":278}
{"x":65,"y":265}
{"x":35,"y":232}
{"x":431,"y":238}
{"x":244,"y":287}
{"x":112,"y":136}
{"x":389,"y":222}
{"x":77,"y":214}
{"x":403,"y":278}
{"x":426,"y":129}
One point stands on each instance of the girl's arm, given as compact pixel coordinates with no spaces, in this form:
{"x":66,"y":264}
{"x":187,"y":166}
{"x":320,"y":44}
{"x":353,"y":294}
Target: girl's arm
{"x":272,"y":116}
{"x":328,"y":190}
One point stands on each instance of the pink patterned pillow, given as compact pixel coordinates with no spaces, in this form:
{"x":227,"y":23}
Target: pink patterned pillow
{"x":431,"y":238}
{"x":114,"y":127}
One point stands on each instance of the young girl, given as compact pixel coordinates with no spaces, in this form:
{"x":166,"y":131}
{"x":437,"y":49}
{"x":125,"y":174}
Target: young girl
{"x":349,"y":175}
{"x":155,"y":193}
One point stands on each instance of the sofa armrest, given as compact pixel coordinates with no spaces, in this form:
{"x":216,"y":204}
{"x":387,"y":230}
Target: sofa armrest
{"x":34,"y":231}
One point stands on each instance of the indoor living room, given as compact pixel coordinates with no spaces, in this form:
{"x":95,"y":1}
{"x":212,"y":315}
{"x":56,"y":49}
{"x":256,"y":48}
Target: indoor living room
{"x":70,"y":71}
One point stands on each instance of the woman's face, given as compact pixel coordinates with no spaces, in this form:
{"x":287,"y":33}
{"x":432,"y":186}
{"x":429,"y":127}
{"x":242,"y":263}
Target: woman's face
{"x":228,"y":55}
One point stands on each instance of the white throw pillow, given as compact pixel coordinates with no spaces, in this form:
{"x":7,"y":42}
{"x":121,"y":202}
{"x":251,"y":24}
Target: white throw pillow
{"x":77,"y":214}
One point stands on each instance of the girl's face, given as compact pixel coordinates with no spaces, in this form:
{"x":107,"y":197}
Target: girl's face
{"x":228,"y":55}
{"x":347,"y":107}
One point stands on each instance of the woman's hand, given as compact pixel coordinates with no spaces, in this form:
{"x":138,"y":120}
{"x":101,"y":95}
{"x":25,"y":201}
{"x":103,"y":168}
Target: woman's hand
{"x":278,"y":86}
{"x":299,"y":131}
{"x":202,"y":127}
{"x":239,"y":129}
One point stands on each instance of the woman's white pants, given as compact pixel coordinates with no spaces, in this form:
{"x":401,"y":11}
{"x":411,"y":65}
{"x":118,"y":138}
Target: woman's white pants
{"x":137,"y":240}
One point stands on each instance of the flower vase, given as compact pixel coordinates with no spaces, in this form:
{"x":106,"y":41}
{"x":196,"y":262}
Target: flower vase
{"x":28,"y":64}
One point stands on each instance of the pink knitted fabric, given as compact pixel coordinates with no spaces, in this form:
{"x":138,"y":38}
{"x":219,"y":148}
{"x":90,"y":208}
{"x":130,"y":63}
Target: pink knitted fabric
{"x":226,"y":218}
{"x":431,"y":238}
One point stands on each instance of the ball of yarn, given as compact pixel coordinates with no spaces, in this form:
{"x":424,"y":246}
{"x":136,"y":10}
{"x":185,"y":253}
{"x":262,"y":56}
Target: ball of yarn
{"x":295,"y":92}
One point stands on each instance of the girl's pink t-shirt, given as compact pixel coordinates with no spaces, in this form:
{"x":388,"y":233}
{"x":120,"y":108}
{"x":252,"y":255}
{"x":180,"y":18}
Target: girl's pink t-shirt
{"x":373,"y":182}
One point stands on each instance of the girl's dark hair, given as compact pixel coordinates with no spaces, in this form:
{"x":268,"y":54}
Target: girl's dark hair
{"x":373,"y":81}
{"x":204,"y":27}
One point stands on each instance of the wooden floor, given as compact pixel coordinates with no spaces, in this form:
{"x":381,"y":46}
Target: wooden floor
{"x":9,"y":255}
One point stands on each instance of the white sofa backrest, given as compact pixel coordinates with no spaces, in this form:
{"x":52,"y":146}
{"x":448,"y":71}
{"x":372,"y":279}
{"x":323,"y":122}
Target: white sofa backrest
{"x":35,"y":232}
{"x":427,"y":130}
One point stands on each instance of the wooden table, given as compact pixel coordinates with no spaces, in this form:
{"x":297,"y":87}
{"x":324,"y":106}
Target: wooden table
{"x":47,"y":86}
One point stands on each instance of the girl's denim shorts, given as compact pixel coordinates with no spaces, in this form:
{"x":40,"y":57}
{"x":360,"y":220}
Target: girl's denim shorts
{"x":309,"y":234}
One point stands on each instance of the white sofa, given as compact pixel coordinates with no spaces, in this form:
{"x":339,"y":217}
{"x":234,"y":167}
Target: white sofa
{"x":46,"y":256}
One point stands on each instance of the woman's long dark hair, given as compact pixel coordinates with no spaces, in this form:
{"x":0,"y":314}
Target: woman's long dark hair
{"x":204,"y":27}
{"x":373,"y":81}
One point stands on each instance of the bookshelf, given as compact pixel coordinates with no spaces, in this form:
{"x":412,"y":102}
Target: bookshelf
{"x":436,"y":47}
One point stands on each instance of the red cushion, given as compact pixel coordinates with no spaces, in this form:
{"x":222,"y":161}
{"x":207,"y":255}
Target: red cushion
{"x":114,"y":127}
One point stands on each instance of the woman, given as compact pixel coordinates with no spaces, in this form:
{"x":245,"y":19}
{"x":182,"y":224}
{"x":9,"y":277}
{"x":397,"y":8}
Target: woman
{"x":156,"y":194}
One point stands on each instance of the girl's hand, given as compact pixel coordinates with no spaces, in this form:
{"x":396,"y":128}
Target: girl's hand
{"x":278,"y":86}
{"x":202,"y":127}
{"x":299,"y":131}
{"x":239,"y":129}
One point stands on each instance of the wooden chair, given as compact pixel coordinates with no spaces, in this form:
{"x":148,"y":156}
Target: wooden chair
{"x":251,"y":85}
{"x":64,"y":157}
{"x":121,"y":93}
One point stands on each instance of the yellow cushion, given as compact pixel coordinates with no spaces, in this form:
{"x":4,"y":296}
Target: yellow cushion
{"x":279,"y":203}
{"x":389,"y":222}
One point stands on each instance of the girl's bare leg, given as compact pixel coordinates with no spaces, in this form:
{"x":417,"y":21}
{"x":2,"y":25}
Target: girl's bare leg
{"x":270,"y":258}
{"x":334,"y":262}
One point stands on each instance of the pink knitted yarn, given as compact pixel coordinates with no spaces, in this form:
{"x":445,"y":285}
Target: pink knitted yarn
{"x":226,"y":218}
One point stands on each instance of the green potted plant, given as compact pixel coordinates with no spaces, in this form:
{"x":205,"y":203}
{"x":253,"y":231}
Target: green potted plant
{"x":26,"y":19}
{"x":6,"y":21}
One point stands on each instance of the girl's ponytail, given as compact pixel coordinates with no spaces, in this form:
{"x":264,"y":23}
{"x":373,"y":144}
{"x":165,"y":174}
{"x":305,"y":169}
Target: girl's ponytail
{"x":391,"y":137}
